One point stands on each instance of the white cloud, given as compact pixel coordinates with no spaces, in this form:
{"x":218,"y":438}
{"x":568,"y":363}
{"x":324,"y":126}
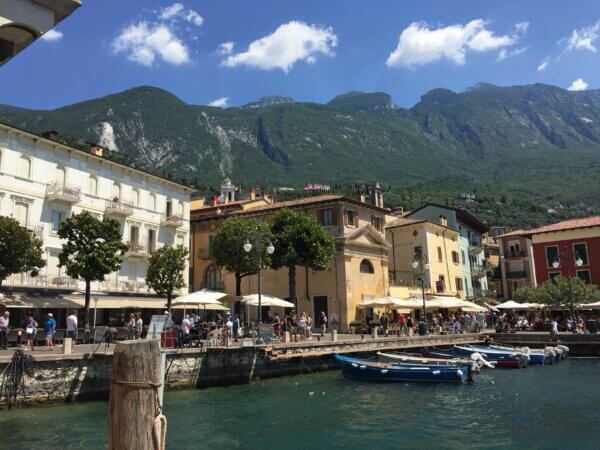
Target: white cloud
{"x":52,"y":35}
{"x":521,"y":27}
{"x":144,"y":42}
{"x":170,"y":12}
{"x":291,"y":42}
{"x":584,"y":38}
{"x":504,"y":53}
{"x":418,"y":44}
{"x":543,"y":65}
{"x":177,"y":11}
{"x":225,"y":48}
{"x":578,"y":85}
{"x":220,"y":102}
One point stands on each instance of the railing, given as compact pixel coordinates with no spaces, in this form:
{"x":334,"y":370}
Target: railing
{"x":124,"y":286}
{"x":41,"y":281}
{"x":63,"y":192}
{"x":136,"y":250}
{"x":172,"y":221}
{"x":478,"y":271}
{"x":516,"y":274}
{"x":519,"y":254}
{"x":119,"y":207}
{"x":37,"y":229}
{"x":475,"y":248}
{"x":403,"y":278}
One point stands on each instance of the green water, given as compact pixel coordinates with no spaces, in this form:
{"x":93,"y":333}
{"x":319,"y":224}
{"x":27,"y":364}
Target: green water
{"x":552,"y":407}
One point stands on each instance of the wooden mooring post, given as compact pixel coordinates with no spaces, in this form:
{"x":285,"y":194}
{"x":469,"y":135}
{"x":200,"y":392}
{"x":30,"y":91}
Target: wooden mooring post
{"x":135,"y":419}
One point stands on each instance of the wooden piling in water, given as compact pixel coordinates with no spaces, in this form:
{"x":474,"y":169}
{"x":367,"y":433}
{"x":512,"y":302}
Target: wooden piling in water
{"x":134,"y":396}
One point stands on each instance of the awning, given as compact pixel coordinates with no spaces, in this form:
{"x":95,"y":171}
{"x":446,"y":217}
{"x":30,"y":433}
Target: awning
{"x":595,"y":305}
{"x":520,"y":306}
{"x":56,"y":302}
{"x":383,"y":302}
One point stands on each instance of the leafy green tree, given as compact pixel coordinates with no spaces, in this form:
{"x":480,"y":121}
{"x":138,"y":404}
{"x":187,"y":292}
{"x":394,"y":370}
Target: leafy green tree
{"x":228,"y":248}
{"x":556,"y":292}
{"x":93,"y":249}
{"x":165,"y":271}
{"x":20,"y":250}
{"x":299,"y":241}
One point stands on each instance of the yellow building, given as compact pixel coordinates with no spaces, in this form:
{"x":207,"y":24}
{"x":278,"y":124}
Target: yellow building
{"x":440,"y":249}
{"x":358,"y":272}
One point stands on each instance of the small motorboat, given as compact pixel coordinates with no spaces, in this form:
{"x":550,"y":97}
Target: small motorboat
{"x":371,"y":369}
{"x":537,"y":356}
{"x":476,"y":361}
{"x":501,"y":358}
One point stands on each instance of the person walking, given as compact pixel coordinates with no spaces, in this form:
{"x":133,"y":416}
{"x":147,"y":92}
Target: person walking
{"x":302,"y":324}
{"x":72,"y":329}
{"x":31,"y":331}
{"x":139,"y":326}
{"x":4,"y":324}
{"x":50,"y":329}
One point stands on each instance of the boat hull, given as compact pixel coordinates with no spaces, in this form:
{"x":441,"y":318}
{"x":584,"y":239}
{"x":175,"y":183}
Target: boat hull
{"x":387,"y":372}
{"x":500,"y":361}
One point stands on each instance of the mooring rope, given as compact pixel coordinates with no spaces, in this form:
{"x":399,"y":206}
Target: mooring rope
{"x":13,"y":379}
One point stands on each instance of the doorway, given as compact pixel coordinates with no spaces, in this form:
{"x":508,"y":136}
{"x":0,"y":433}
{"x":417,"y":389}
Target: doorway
{"x":319,"y":304}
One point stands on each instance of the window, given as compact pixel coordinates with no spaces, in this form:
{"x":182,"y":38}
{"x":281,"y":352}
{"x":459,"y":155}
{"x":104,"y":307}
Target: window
{"x":462,"y":255}
{"x":57,"y":218}
{"x":213,"y":279}
{"x":21,"y":213}
{"x":60,"y":175}
{"x":443,"y":220}
{"x":152,"y":202}
{"x":552,"y":255}
{"x":351,"y":218}
{"x":116,"y":193}
{"x":327,"y":218}
{"x":377,"y":223}
{"x":553,"y":275}
{"x":459,"y":284}
{"x":440,"y":284}
{"x":134,"y":234}
{"x":93,"y":186}
{"x":169,"y":208}
{"x":24,"y":167}
{"x":580,"y":251}
{"x":455,"y":257}
{"x":151,"y":239}
{"x":211,"y":241}
{"x":584,"y":275}
{"x":440,"y":256}
{"x":135,"y":197}
{"x":366,"y":266}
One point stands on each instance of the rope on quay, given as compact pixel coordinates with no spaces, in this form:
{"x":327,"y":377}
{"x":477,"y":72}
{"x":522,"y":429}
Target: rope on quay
{"x":12,"y":388}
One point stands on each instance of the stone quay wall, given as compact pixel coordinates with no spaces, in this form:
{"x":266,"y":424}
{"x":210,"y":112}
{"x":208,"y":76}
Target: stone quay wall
{"x":53,"y":378}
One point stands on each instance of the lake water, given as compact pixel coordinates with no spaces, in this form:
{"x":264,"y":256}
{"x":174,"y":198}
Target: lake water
{"x":553,"y":407}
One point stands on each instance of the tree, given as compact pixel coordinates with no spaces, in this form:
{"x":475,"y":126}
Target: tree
{"x":93,"y":249}
{"x":299,"y":241}
{"x":20,"y":250}
{"x":228,"y":248}
{"x":556,"y":292}
{"x":165,"y":271}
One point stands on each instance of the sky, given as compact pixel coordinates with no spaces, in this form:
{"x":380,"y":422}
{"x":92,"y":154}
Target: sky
{"x":229,"y":52}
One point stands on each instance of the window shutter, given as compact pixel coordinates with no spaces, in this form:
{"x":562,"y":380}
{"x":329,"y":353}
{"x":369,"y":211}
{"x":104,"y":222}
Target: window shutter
{"x":334,"y":216}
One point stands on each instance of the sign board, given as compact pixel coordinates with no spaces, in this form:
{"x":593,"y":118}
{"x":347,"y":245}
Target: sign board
{"x":156,"y":327}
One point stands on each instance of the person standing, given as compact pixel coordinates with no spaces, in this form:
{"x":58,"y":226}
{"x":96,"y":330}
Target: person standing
{"x":31,"y":331}
{"x":235,"y":329}
{"x":185,"y":330}
{"x":130,"y":327}
{"x":323,"y":321}
{"x":277,"y":325}
{"x":4,"y":324}
{"x":384,"y":322}
{"x":139,"y":326}
{"x":402,"y":323}
{"x":409,"y":325}
{"x":72,"y":329}
{"x":554,"y":330}
{"x":50,"y":329}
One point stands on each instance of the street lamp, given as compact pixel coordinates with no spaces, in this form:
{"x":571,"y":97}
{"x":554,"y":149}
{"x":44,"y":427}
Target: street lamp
{"x":260,"y":244}
{"x":578,"y":263}
{"x":420,"y":261}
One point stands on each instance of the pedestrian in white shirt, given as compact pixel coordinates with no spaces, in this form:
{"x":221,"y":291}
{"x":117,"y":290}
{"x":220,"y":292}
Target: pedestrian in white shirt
{"x":72,"y":328}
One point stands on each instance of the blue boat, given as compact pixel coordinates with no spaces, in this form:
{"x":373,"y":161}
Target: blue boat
{"x":500,"y":358}
{"x":540,"y":357}
{"x":371,"y":369}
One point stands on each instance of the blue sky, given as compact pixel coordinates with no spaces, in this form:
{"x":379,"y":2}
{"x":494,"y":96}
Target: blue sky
{"x":310,"y":50}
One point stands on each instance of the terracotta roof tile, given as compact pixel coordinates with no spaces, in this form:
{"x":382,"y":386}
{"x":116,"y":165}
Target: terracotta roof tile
{"x":571,"y":224}
{"x":514,"y":233}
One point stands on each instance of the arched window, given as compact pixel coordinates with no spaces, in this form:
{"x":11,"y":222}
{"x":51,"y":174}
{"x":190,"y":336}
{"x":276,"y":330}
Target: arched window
{"x":24,"y":168}
{"x":213,"y":279}
{"x":93,"y":186}
{"x":152,"y":202}
{"x":116,"y":192}
{"x":135,"y":197}
{"x":366,"y":266}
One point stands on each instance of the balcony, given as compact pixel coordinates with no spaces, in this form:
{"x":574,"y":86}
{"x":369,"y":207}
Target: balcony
{"x":516,"y":274}
{"x":172,"y":221}
{"x":131,"y":286}
{"x":119,"y":208}
{"x":515,"y":254}
{"x":475,"y":248}
{"x":41,"y":281}
{"x":37,"y":229}
{"x":61,"y":192}
{"x":136,"y":250}
{"x":478,"y":271}
{"x":406,"y":278}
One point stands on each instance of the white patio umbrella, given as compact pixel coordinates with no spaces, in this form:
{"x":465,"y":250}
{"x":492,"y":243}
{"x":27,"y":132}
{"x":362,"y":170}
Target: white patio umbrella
{"x":200,"y":298}
{"x":384,"y":302}
{"x":510,"y":304}
{"x":266,"y":300}
{"x":595,"y":305}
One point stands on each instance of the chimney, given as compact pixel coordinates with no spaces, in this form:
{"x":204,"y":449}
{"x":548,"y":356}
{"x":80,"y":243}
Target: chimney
{"x":96,"y":150}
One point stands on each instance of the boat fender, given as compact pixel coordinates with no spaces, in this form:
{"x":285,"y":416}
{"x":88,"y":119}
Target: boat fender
{"x":384,"y":371}
{"x":437,"y":372}
{"x":362,"y":367}
{"x":525,"y":350}
{"x":459,"y":372}
{"x":354,"y":365}
{"x":564,"y":348}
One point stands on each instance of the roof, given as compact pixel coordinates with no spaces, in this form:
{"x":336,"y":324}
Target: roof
{"x":519,"y":232}
{"x":228,"y":204}
{"x":298,"y":203}
{"x":462,"y":215}
{"x":39,"y":137}
{"x":572,"y":224}
{"x":403,"y":221}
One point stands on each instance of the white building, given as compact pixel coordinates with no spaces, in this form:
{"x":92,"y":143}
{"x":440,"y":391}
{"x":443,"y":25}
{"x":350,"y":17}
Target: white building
{"x":43,"y":181}
{"x":23,"y":21}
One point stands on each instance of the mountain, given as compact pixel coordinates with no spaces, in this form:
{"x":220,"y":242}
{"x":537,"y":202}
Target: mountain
{"x":269,"y":101}
{"x":376,"y":101}
{"x":536,"y":143}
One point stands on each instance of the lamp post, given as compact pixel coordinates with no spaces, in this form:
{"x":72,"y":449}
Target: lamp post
{"x":261,"y":244}
{"x":578,"y":262}
{"x":420,"y":261}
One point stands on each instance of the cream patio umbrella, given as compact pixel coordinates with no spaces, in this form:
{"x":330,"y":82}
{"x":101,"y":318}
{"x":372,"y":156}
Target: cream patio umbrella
{"x":266,"y":300}
{"x":204,"y":297}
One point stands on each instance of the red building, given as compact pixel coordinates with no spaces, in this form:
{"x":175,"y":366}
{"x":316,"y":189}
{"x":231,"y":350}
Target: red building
{"x":568,"y":248}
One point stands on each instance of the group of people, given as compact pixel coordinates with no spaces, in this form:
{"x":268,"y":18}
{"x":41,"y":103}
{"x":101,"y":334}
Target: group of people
{"x":134,"y":326}
{"x":30,"y":328}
